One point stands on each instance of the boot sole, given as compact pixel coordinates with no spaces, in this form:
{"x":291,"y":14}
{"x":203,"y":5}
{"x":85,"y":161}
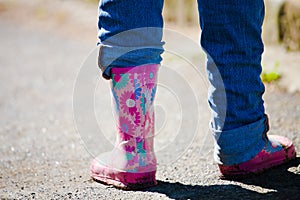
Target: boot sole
{"x":127,"y":180}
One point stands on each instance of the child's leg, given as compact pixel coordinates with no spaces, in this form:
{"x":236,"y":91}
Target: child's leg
{"x":231,"y":37}
{"x":130,"y":34}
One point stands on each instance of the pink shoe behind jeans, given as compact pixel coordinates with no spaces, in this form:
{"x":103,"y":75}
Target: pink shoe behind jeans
{"x":277,"y":151}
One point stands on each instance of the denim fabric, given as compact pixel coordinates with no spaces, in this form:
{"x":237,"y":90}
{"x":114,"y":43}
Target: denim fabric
{"x":134,"y":42}
{"x":231,"y":37}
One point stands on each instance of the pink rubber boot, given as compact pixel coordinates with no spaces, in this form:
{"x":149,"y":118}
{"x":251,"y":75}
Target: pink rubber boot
{"x":132,"y":162}
{"x":277,"y":151}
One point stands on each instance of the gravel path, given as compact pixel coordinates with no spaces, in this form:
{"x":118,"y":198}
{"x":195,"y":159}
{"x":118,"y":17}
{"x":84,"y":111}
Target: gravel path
{"x":42,"y":156}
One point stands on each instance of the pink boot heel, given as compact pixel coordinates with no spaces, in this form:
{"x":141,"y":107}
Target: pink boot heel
{"x":122,"y":179}
{"x":277,"y":151}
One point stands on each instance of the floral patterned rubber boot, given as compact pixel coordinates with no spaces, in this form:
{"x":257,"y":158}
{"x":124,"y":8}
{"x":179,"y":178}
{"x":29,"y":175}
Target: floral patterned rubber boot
{"x":132,"y":162}
{"x":278,"y":150}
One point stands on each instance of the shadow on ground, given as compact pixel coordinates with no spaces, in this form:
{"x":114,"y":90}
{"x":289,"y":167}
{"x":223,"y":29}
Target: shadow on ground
{"x":282,"y":183}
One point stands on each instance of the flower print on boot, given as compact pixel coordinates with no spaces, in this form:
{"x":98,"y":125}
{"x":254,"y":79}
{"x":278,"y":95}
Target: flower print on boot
{"x":132,"y":162}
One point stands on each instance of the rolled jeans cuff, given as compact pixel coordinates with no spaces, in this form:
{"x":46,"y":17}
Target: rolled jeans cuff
{"x":116,"y":56}
{"x":242,"y":144}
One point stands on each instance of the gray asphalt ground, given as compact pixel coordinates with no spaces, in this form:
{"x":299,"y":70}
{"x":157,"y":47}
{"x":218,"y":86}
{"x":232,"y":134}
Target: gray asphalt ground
{"x":45,"y":151}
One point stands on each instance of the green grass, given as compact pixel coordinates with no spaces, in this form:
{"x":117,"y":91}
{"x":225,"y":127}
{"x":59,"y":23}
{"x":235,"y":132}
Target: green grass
{"x":271,"y":76}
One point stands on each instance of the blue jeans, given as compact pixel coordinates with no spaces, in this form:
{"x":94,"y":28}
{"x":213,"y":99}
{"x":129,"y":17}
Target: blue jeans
{"x":231,"y":38}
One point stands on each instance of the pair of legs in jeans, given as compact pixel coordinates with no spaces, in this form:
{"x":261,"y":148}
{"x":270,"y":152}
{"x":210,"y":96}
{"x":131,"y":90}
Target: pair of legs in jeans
{"x":130,"y":36}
